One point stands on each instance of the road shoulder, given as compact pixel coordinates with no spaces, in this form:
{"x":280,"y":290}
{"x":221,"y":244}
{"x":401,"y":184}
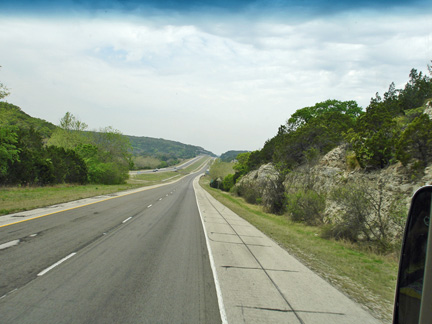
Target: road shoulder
{"x":260,"y":282}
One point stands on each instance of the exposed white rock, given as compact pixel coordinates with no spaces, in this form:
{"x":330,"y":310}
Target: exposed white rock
{"x":393,"y":184}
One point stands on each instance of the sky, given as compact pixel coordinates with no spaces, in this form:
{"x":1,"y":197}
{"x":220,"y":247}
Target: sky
{"x":223,"y":75}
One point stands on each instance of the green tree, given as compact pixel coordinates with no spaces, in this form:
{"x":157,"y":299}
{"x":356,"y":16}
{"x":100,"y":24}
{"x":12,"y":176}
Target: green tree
{"x":391,"y":100}
{"x":115,"y":146}
{"x":11,"y":115}
{"x":305,"y":115}
{"x":319,"y":129}
{"x":70,"y":132}
{"x":107,"y":153}
{"x":68,"y":166}
{"x":374,"y":137}
{"x":32,"y":165}
{"x":9,"y":152}
{"x":416,"y":91}
{"x":228,"y":182}
{"x":416,"y":141}
{"x":241,"y":166}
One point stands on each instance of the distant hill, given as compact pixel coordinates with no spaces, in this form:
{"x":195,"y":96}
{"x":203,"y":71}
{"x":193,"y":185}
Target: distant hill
{"x":13,"y":115}
{"x":158,"y":147}
{"x":142,"y":146}
{"x":230,"y":155}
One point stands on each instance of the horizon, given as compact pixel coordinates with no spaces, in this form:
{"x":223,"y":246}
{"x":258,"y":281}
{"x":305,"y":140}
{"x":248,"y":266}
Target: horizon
{"x":218,"y":75}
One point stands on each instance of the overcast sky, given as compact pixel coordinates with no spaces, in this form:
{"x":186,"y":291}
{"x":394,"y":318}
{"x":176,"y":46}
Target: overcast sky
{"x":222,"y":74}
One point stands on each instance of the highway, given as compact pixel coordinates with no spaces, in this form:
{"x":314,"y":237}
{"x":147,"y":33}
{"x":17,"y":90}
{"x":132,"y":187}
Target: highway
{"x":167,"y":169}
{"x":162,"y":254}
{"x":139,"y":258}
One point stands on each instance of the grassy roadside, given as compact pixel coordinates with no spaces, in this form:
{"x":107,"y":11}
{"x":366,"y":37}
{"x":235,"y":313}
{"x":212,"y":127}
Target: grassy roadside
{"x":16,"y":199}
{"x":148,"y":179}
{"x":221,"y":169}
{"x":368,"y":278}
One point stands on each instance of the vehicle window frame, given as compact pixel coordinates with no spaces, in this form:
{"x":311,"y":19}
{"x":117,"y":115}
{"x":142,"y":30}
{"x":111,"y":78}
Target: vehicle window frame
{"x":425,"y":315}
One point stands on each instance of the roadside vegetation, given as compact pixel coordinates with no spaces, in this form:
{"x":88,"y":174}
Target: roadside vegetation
{"x":221,"y":174}
{"x":69,"y":155}
{"x":394,"y":129}
{"x":21,"y":198}
{"x":230,"y":156}
{"x":367,"y":277}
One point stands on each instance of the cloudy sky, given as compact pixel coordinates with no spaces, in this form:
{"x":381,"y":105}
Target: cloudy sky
{"x":218,"y":74}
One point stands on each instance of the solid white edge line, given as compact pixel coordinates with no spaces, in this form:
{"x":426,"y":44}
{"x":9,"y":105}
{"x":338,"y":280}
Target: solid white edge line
{"x":127,"y":219}
{"x":212,"y":265}
{"x":56,"y":264}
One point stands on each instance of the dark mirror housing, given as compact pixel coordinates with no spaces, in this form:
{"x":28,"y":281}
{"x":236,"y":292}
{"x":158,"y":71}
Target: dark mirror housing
{"x":413,"y":301}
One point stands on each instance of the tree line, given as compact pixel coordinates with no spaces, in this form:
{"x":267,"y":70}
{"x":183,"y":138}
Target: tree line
{"x":70,"y":155}
{"x":392,"y":128}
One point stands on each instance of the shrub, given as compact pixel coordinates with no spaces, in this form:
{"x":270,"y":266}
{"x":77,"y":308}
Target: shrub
{"x":415,"y":141}
{"x":145,"y":162}
{"x":249,"y":192}
{"x":306,"y":206}
{"x":228,"y":182}
{"x":216,"y":183}
{"x":107,"y":173}
{"x":367,"y":215}
{"x":274,"y":198}
{"x":68,"y":166}
{"x":352,"y":161}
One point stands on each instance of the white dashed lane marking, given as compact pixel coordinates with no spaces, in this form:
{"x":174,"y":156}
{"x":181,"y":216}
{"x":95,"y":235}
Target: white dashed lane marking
{"x":56,"y":264}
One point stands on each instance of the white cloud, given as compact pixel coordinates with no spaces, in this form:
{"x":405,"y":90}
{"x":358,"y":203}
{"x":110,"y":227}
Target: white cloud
{"x":221,"y":84}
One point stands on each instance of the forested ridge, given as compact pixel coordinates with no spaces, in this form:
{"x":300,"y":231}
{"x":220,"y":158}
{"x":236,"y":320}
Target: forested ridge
{"x":230,"y":155}
{"x":164,"y":150}
{"x":14,"y":116}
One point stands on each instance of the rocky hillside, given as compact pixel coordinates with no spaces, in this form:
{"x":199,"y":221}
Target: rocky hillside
{"x":329,"y":189}
{"x":350,"y":171}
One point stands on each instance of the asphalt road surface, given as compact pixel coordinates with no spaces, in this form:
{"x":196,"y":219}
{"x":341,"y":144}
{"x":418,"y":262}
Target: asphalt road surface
{"x":139,"y":258}
{"x":168,"y":169}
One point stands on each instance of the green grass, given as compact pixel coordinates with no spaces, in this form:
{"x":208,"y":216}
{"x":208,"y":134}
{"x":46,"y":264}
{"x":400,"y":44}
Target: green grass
{"x":366,"y":277}
{"x":16,"y":199}
{"x":221,"y":169}
{"x":195,"y":166}
{"x":148,"y":179}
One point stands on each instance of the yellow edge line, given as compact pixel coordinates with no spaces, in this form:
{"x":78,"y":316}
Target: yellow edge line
{"x":92,"y":203}
{"x":63,"y":210}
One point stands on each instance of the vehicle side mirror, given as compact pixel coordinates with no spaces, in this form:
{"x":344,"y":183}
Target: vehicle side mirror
{"x":413,"y":300}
